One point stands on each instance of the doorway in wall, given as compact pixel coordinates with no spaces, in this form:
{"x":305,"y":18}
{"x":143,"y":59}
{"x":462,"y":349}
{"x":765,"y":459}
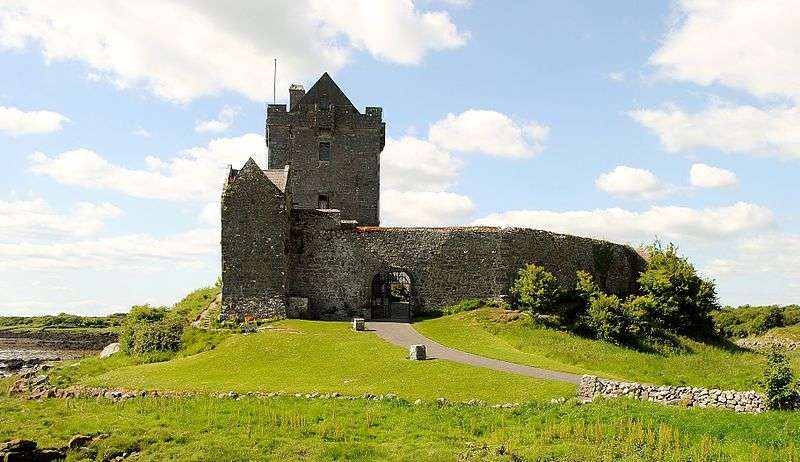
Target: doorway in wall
{"x":391,"y":296}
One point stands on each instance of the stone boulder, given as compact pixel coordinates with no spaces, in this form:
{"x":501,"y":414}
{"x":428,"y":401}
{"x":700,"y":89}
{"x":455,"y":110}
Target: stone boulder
{"x":109,"y":350}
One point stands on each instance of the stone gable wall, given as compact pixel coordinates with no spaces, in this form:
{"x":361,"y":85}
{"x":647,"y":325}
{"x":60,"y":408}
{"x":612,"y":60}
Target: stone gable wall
{"x":333,"y":267}
{"x":739,"y":401}
{"x":254,"y":262}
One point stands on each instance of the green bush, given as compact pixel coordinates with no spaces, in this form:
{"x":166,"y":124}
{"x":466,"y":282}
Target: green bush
{"x":747,"y":320}
{"x":585,"y":288}
{"x":536,"y":289}
{"x":148,"y":331}
{"x":682,"y":300}
{"x":779,"y":381}
{"x":612,"y":319}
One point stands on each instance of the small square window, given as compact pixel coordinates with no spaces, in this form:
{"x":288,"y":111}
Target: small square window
{"x":322,"y":202}
{"x":325,"y":152}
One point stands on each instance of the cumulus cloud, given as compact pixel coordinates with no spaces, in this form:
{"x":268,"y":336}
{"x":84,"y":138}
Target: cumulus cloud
{"x":728,"y":127}
{"x":706,"y":176}
{"x":424,"y":208}
{"x":668,"y":222}
{"x":744,"y":44}
{"x":616,"y":76}
{"x":489,"y":132}
{"x":221,"y":123}
{"x":182,"y":49}
{"x":31,"y":219}
{"x":411,"y":163}
{"x":631,"y":182}
{"x":394,"y":31}
{"x":196,"y":174}
{"x":16,"y":122}
{"x":131,"y":250}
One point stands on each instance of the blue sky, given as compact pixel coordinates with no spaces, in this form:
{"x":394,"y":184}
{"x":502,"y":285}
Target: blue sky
{"x":626,"y":121}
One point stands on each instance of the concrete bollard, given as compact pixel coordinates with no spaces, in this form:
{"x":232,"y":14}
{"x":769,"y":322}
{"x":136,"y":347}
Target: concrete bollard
{"x":417,"y":352}
{"x":358,"y":323}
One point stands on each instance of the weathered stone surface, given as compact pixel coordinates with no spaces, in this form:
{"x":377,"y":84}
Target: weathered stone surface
{"x":18,"y":445}
{"x":109,"y":350}
{"x":278,"y":247}
{"x":358,"y":323}
{"x":417,"y":352}
{"x":739,"y":401}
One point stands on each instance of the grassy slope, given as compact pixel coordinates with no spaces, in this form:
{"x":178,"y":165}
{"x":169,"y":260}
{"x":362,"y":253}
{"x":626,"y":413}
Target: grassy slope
{"x":306,"y":356}
{"x":523,"y":343}
{"x":296,"y":429}
{"x":193,"y":304}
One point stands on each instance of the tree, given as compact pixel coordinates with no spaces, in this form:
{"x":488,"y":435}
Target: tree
{"x":536,"y":289}
{"x":778,"y":381}
{"x":611,"y":319}
{"x":682,"y":300}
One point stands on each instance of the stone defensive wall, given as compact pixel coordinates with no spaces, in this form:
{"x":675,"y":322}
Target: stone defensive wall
{"x":332,"y":263}
{"x":739,"y":401}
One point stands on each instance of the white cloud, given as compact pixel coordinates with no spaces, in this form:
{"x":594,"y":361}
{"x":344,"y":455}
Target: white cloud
{"x":616,"y":76}
{"x":760,"y":269}
{"x":130,"y":251}
{"x":728,"y":127}
{"x":142,"y":132}
{"x":223,"y":121}
{"x":410,"y":163}
{"x":669,"y":222}
{"x":196,"y":174}
{"x":34,"y":219}
{"x":744,"y":44}
{"x":631,"y":182}
{"x":706,"y":176}
{"x":183,"y":49}
{"x":489,"y":132}
{"x":17,"y":122}
{"x":424,"y":208}
{"x":394,"y":31}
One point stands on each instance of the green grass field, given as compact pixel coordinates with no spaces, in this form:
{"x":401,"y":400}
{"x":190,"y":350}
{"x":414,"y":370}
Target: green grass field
{"x":307,"y":356}
{"x":520,"y":341}
{"x":208,"y":429}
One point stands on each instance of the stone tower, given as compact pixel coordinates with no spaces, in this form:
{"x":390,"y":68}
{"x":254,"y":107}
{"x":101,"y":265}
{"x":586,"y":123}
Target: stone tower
{"x":333,"y":150}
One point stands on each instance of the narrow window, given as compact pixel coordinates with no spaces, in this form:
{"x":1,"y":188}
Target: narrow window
{"x":322,"y":202}
{"x":325,"y":152}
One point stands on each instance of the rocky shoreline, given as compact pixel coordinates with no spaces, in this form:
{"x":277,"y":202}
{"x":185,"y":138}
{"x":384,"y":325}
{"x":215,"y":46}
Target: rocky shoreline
{"x":21,"y":352}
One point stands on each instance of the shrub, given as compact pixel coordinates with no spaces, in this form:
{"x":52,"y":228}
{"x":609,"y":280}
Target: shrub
{"x":585,"y":288}
{"x":536,"y":289}
{"x":611,"y":319}
{"x":150,"y":330}
{"x":778,"y":381}
{"x":682,"y":300}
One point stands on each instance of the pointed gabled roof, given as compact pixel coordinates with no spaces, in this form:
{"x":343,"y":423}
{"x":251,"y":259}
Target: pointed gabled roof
{"x":277,"y":177}
{"x":326,"y":90}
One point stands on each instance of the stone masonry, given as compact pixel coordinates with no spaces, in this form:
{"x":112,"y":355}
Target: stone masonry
{"x":302,"y":238}
{"x":739,"y":401}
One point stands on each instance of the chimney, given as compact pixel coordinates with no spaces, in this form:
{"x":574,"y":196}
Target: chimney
{"x":296,"y":93}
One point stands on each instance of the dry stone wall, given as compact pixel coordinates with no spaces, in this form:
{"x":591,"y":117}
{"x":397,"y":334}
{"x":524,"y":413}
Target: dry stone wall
{"x":254,"y":230}
{"x":739,"y":401}
{"x":334,"y":266}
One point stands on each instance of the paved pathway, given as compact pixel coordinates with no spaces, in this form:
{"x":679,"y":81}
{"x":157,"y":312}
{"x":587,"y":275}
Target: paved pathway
{"x":404,"y":335}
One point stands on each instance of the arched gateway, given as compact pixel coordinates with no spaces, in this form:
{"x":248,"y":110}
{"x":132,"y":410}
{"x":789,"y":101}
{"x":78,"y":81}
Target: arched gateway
{"x":391,"y":296}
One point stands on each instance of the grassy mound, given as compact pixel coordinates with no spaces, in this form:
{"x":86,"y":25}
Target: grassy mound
{"x":307,"y":356}
{"x":200,"y":429}
{"x":512,"y":336}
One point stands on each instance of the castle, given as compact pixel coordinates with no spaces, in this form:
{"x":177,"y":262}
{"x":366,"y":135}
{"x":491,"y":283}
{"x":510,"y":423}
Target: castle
{"x":303,"y":238}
